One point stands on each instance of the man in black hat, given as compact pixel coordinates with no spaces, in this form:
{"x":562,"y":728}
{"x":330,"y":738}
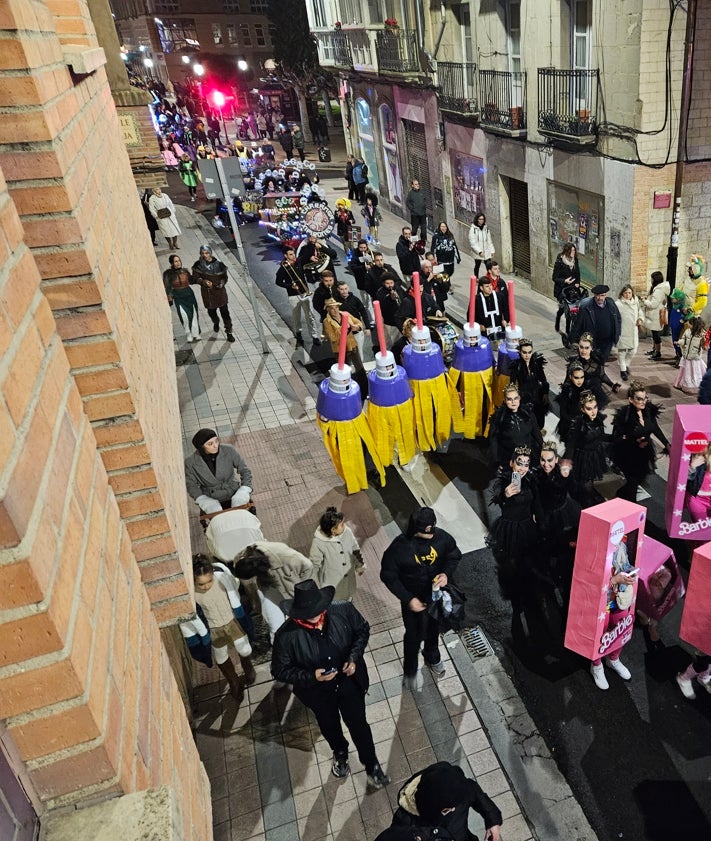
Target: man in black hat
{"x":319,"y":651}
{"x":416,"y":563}
{"x":600,"y":317}
{"x":440,"y":796}
{"x":210,"y":474}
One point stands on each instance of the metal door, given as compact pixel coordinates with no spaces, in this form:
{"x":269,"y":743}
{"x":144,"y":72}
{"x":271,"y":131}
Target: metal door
{"x":520,"y":243}
{"x":417,"y":163}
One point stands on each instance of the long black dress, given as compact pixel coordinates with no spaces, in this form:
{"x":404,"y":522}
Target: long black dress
{"x":509,"y":430}
{"x":632,"y":448}
{"x":586,"y":447}
{"x":595,"y":377}
{"x":569,"y":405}
{"x":532,"y":384}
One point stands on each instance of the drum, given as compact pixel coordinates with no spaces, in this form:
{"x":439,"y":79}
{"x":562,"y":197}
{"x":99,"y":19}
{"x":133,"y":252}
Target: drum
{"x":448,"y":334}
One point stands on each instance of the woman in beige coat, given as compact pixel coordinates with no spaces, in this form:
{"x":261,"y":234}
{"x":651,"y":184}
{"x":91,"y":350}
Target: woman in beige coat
{"x":653,"y":303}
{"x":276,"y":566}
{"x":632,"y":318}
{"x":336,"y":555}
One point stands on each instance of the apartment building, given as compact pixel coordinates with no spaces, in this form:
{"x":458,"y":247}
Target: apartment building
{"x":558,"y":119}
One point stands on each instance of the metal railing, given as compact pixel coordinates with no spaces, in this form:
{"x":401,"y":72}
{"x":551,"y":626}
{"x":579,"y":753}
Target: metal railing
{"x":567,"y":102}
{"x":342,"y":56}
{"x":397,"y":51}
{"x":457,"y":86}
{"x":503,"y":99}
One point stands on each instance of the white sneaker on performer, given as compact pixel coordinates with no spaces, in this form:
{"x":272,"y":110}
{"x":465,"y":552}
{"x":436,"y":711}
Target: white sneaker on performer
{"x":686,"y":686}
{"x":619,"y":667}
{"x":598,"y":674}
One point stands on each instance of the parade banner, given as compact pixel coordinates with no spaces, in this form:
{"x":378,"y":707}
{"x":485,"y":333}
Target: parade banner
{"x":660,"y":583}
{"x":601,"y":615}
{"x":687,"y":509}
{"x":696,"y":619}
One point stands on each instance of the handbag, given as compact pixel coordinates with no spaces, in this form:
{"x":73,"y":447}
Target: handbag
{"x":663,"y":316}
{"x":448,"y":611}
{"x":163,"y":212}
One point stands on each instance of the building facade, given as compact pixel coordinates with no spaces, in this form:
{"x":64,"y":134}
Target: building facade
{"x":558,"y":120}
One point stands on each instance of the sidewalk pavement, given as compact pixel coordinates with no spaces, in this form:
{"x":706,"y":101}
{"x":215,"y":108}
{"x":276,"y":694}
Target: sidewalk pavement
{"x":267,"y":762}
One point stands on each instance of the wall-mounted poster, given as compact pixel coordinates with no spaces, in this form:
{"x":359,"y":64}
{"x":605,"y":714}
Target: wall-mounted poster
{"x":577,"y":216}
{"x":467,"y":186}
{"x":601,"y":612}
{"x":688,"y":495}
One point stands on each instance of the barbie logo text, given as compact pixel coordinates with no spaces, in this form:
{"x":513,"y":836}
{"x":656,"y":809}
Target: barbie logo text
{"x":610,"y":636}
{"x":690,"y":528}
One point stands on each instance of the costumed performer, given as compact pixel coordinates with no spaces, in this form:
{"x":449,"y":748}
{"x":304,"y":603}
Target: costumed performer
{"x":436,"y":400}
{"x":472,"y":372}
{"x":508,"y":351}
{"x":339,"y":414}
{"x":390,"y":410}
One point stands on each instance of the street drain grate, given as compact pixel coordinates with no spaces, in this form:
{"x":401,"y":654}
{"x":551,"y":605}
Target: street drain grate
{"x":475,"y":642}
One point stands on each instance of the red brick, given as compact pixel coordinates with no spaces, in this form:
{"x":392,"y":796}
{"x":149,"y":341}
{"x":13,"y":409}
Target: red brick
{"x":7,"y":435}
{"x":154,"y":547}
{"x":102,"y":381}
{"x":87,"y":353}
{"x":44,"y":321}
{"x":120,"y":431}
{"x":109,"y":406}
{"x":148,"y":526}
{"x":65,"y":263}
{"x":82,"y":325}
{"x":27,"y":166}
{"x":19,"y":585}
{"x":36,"y":688}
{"x":168,"y":588}
{"x":78,"y":771}
{"x":133,"y":480}
{"x":44,"y":736}
{"x":26,"y":638}
{"x":19,"y":384}
{"x":140,"y":503}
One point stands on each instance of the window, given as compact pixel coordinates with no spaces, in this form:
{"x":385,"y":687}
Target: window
{"x":513,"y":32}
{"x":581,"y":26}
{"x":463,"y":16}
{"x":258,"y":7}
{"x":245,"y":35}
{"x":176,"y":33}
{"x":230,"y":7}
{"x":350,"y":11}
{"x":320,"y":19}
{"x":259,"y":35}
{"x":217,"y":33}
{"x":231,"y":33}
{"x":167,"y":7}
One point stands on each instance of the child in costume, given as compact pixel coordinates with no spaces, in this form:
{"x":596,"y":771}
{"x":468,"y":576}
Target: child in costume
{"x":693,"y":348}
{"x":695,"y":286}
{"x":344,"y":223}
{"x":679,"y":314}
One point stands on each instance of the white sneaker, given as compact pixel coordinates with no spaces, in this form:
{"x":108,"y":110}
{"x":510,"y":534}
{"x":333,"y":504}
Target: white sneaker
{"x":598,"y":674}
{"x":686,"y":686}
{"x":619,"y":667}
{"x":705,"y":682}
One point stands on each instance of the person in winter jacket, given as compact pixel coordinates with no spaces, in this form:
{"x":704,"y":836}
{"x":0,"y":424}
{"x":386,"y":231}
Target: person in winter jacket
{"x":360,"y":179}
{"x":299,"y":140}
{"x":444,"y":248}
{"x":423,"y":558}
{"x":407,"y":255}
{"x":416,"y":203}
{"x":210,"y":473}
{"x":335,"y":555}
{"x":653,"y":304}
{"x":319,"y":651}
{"x":600,"y":317}
{"x":221,"y":623}
{"x":631,"y":317}
{"x":480,"y":241}
{"x":440,"y":796}
{"x":566,"y":273}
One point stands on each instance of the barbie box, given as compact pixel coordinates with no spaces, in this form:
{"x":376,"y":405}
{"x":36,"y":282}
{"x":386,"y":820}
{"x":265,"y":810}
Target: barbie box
{"x":660,"y":583}
{"x":601,"y":612}
{"x":687,"y":509}
{"x":696,"y":619}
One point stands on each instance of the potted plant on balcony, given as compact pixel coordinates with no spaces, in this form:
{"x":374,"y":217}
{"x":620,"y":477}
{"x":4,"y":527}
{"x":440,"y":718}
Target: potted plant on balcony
{"x":391,"y":25}
{"x":337,"y":24}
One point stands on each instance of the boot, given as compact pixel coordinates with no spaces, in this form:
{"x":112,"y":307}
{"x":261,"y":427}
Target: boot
{"x":228,"y":670}
{"x":657,"y":354}
{"x":248,"y":668}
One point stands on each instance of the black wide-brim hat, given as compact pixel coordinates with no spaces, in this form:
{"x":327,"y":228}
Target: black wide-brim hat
{"x":600,"y":289}
{"x":308,"y":601}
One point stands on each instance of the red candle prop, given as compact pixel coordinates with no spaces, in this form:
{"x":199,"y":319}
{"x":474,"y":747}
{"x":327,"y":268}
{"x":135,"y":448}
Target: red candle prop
{"x":344,"y":339}
{"x":472,"y":297}
{"x":418,"y":299}
{"x":379,"y":327}
{"x":512,"y":306}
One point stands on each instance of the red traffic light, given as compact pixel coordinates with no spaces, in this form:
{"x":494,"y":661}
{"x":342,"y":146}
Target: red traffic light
{"x":218,"y":99}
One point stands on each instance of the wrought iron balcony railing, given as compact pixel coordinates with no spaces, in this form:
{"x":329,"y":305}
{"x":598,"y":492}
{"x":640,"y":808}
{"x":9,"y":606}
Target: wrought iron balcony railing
{"x":397,"y":51}
{"x":342,"y":56}
{"x":457,"y":86}
{"x":567,"y":103}
{"x":503,"y":101}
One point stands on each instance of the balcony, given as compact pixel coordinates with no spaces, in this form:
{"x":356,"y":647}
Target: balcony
{"x":397,"y":51}
{"x":503,"y":98}
{"x":457,"y":92}
{"x":567,"y":104}
{"x":342,"y":56}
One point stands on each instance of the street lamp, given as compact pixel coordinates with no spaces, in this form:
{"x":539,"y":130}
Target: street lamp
{"x":186,"y":59}
{"x":198,"y":69}
{"x":242,"y":64}
{"x":218,"y":100}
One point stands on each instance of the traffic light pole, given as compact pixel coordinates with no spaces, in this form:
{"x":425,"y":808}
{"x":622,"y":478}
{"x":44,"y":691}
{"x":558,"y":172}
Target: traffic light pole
{"x":241,"y":256}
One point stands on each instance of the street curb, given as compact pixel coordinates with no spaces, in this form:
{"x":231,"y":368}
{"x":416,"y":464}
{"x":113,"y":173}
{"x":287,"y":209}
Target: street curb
{"x":545,"y":797}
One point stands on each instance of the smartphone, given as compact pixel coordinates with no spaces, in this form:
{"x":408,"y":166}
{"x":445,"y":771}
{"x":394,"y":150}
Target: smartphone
{"x":331,"y":671}
{"x":516,"y":479}
{"x":634,"y":571}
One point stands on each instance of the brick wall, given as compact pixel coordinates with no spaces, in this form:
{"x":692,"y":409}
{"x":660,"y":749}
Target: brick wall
{"x":93,"y":526}
{"x":68,"y":173}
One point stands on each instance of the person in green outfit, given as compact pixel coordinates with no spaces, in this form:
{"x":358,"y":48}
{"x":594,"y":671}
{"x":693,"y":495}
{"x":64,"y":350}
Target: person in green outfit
{"x":189,"y":175}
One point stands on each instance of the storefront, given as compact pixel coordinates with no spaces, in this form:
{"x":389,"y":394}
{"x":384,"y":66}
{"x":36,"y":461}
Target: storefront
{"x":388,"y":133}
{"x":366,"y":141}
{"x":577,"y":216}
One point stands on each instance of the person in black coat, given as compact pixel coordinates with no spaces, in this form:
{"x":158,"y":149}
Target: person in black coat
{"x":359,"y":265}
{"x":407,"y":307}
{"x":528,"y":374}
{"x":600,"y":317}
{"x":319,"y":651}
{"x":491,"y":310}
{"x":632,"y":447}
{"x":566,"y":273}
{"x":594,"y":368}
{"x":415,"y":562}
{"x":513,"y":425}
{"x":440,"y":796}
{"x":408,"y":256}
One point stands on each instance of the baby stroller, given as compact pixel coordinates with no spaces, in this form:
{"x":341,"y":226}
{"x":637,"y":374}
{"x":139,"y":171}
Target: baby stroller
{"x":570,"y":300}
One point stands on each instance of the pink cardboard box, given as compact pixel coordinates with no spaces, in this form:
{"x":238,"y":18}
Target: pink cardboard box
{"x":660,"y":583}
{"x":687,"y":511}
{"x":696,"y":619}
{"x":610,"y":534}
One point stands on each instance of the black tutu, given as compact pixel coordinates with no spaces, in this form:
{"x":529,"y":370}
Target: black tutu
{"x":512,"y":538}
{"x":590,"y":465}
{"x":559,"y":520}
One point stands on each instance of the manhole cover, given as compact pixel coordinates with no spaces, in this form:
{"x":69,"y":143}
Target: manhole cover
{"x":184,"y":357}
{"x":475,"y":642}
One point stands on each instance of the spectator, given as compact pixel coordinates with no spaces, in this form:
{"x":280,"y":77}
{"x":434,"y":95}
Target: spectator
{"x":163,"y":211}
{"x":360,"y":179}
{"x":631,"y":319}
{"x":600,"y":317}
{"x":654,"y":320}
{"x":210,"y":474}
{"x":407,"y":255}
{"x":480,"y":241}
{"x":176,"y":281}
{"x":416,"y":203}
{"x":211,"y":274}
{"x":444,"y":248}
{"x":336,"y":555}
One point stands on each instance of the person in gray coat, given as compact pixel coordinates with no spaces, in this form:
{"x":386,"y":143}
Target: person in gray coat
{"x":416,"y":203}
{"x":210,"y":474}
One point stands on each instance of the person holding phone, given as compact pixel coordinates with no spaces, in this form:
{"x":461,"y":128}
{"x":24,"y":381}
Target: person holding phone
{"x":319,"y":651}
{"x":514,"y":534}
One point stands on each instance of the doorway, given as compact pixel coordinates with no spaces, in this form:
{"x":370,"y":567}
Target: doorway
{"x":520,"y":242}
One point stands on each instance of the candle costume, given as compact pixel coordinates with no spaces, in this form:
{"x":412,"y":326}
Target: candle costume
{"x":390,"y":410}
{"x":472,"y":372}
{"x":436,"y":400}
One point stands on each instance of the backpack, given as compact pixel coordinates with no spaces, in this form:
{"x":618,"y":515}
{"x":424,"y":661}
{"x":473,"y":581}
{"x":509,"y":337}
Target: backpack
{"x":364,"y":170}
